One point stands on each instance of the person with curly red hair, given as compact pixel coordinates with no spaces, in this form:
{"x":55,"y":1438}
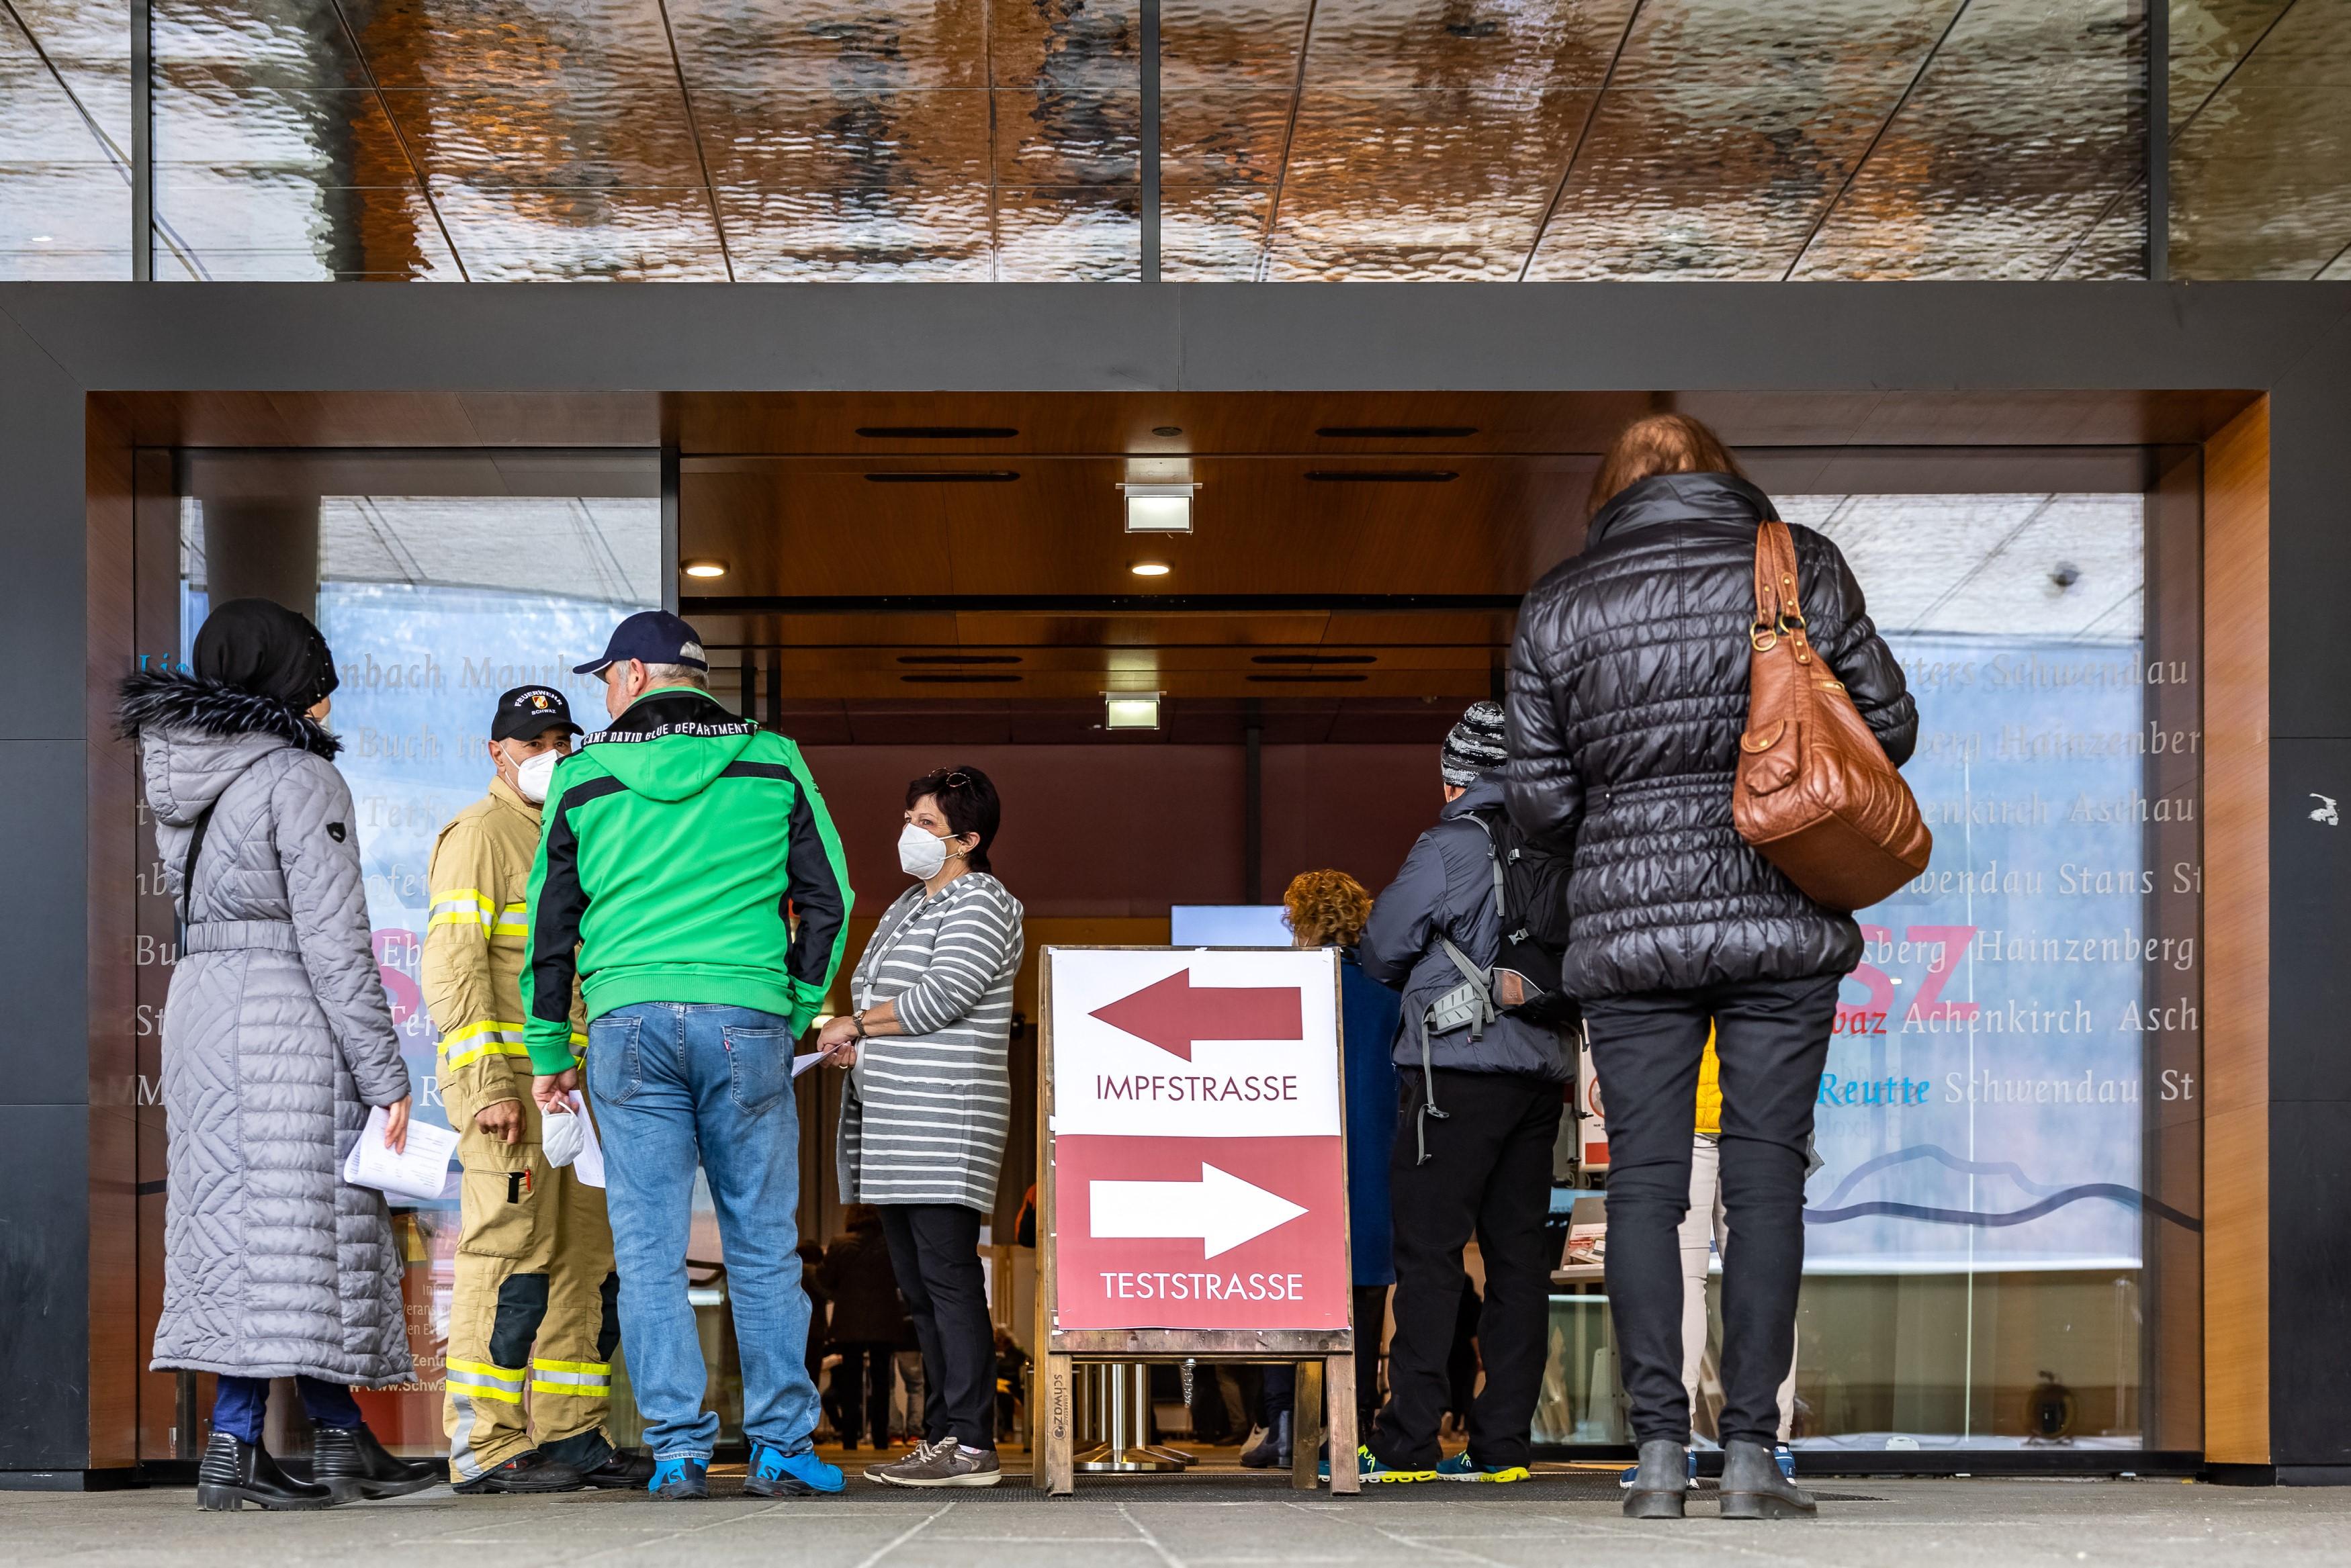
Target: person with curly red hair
{"x":1329,"y":909}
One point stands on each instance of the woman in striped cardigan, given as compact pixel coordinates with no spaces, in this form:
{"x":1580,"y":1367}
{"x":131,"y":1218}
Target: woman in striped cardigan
{"x":929,"y":1101}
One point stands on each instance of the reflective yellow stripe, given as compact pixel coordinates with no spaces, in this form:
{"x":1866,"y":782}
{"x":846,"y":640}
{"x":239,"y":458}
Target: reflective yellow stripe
{"x":487,"y":1048}
{"x":486,"y":1026}
{"x":483,"y":1391}
{"x":462,"y":907}
{"x":511,"y":1377}
{"x":588,"y":1391}
{"x":597,"y":1366}
{"x":462,"y":1047}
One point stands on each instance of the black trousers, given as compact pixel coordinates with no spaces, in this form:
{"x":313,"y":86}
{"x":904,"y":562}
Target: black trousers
{"x":1487,"y":1174}
{"x":1771,"y":1038}
{"x":861,"y":1392}
{"x":935,"y":1253}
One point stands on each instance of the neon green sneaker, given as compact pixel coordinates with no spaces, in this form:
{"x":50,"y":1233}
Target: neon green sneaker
{"x":1369,"y":1469}
{"x":1461,"y":1467}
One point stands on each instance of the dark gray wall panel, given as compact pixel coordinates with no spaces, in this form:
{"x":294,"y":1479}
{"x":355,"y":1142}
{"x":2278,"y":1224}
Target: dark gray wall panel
{"x":43,"y":915}
{"x":1228,"y":337}
{"x":2310,"y":911}
{"x":2310,"y":541}
{"x":45,"y":1286}
{"x":41,"y":511}
{"x":2310,"y":1282}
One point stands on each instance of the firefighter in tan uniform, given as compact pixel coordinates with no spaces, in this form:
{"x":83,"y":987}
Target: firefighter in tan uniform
{"x":533,"y":1319}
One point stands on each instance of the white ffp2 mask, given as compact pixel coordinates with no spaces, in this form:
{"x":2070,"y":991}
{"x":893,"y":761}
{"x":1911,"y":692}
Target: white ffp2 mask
{"x":921,"y":853}
{"x":534,"y":774}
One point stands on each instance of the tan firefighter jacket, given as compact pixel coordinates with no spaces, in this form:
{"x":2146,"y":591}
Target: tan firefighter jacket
{"x":473,"y":946}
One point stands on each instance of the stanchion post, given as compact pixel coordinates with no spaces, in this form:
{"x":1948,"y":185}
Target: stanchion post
{"x":1306,"y":1427}
{"x":1055,"y":1471}
{"x":1339,"y":1380}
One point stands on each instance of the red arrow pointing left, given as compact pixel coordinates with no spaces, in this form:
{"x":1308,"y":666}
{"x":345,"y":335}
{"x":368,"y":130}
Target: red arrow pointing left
{"x":1174,"y":1014}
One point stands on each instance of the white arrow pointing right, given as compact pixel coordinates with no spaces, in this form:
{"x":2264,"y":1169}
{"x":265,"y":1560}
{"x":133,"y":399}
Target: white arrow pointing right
{"x":1220,"y":1208}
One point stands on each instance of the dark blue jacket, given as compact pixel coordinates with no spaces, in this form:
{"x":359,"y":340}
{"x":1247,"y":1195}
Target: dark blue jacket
{"x":1367,"y":1012}
{"x":1446,"y":890}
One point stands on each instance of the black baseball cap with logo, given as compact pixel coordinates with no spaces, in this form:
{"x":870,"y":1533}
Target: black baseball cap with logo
{"x":655,"y":637}
{"x":526,"y":712}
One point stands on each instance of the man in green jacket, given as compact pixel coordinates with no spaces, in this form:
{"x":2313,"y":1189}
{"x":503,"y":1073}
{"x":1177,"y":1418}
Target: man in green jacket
{"x":689,"y":876}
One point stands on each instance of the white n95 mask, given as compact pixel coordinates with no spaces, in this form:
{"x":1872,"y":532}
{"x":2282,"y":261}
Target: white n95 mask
{"x":561,"y":1138}
{"x":534,"y":774}
{"x":921,"y":853}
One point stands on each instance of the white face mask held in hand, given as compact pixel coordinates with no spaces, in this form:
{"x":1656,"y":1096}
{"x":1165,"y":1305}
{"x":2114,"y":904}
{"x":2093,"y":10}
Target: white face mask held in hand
{"x":561,"y":1138}
{"x":921,"y":853}
{"x":533,"y":774}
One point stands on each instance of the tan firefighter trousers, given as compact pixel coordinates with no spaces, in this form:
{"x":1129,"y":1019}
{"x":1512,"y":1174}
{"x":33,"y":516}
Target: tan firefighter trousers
{"x":534,"y":1318}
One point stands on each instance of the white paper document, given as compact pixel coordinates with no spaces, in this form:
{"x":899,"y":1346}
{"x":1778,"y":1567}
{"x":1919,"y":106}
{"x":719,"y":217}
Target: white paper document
{"x":420,"y":1173}
{"x":804,"y":1061}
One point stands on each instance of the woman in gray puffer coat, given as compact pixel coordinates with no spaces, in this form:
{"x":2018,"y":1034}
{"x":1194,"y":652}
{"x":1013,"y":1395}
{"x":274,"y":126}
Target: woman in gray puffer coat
{"x":276,"y":1041}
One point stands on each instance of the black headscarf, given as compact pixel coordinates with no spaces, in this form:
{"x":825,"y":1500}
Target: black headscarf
{"x":261,"y":646}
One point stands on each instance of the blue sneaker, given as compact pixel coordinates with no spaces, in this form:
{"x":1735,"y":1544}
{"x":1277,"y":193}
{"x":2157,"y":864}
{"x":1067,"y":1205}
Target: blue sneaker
{"x":1462,"y":1467}
{"x":679,"y":1480}
{"x":1786,"y":1458}
{"x":1370,"y":1472}
{"x":775,"y":1473}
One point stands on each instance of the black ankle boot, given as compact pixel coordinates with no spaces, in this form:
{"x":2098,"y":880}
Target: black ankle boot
{"x":235,"y":1473}
{"x":1753,"y":1488}
{"x":1274,"y":1451}
{"x":352,"y":1465}
{"x":1662,"y":1482}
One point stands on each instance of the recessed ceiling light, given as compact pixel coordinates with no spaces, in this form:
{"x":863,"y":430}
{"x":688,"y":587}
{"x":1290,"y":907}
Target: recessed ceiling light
{"x":705,"y":568}
{"x":1158,"y":508}
{"x":1150,"y":569}
{"x":1138,"y":711}
{"x":43,"y":239}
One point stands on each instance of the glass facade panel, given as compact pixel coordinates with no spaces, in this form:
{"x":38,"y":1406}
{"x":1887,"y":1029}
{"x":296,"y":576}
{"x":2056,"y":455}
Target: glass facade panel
{"x":65,"y":141}
{"x":2007,"y":1181}
{"x":433,"y":603}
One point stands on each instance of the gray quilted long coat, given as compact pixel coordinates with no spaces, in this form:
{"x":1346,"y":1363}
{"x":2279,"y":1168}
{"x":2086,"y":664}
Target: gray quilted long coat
{"x":277,"y":1039}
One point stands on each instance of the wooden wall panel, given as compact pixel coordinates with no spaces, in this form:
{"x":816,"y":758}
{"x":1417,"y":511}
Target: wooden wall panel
{"x":2237,"y":941}
{"x":112,"y":849}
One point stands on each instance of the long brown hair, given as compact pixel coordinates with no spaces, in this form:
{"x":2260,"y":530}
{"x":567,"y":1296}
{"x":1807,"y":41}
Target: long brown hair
{"x":1654,"y":444}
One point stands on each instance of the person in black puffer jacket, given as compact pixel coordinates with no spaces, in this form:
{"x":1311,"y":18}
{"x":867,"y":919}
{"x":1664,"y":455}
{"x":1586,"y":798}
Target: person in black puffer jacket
{"x":1628,"y":691}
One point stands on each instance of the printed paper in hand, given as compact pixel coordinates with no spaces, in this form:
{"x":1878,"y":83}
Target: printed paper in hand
{"x":419,"y":1173}
{"x":804,"y":1061}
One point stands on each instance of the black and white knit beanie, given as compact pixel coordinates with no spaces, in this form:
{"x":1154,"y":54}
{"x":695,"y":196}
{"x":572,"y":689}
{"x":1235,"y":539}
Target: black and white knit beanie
{"x":1476,"y":746}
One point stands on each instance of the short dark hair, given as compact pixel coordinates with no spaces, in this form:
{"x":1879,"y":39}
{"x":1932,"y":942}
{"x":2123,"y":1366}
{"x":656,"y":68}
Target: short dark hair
{"x":968,"y":800}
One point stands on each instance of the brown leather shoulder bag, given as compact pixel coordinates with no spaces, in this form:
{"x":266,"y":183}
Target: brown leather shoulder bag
{"x":1815,"y":794}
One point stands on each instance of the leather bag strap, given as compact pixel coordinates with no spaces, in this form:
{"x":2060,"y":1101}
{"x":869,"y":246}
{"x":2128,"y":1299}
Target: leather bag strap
{"x":1778,"y":598}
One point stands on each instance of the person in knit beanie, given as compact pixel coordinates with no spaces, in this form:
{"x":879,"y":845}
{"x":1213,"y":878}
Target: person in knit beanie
{"x":1475,"y":747}
{"x":1479,"y":1114}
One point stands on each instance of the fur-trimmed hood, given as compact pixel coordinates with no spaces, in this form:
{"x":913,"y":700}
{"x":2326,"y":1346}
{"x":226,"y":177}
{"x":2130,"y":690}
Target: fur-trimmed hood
{"x":197,"y":734}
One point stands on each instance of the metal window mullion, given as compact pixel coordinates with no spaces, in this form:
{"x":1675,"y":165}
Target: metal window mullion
{"x":2158,"y":141}
{"x":142,"y":141}
{"x":1149,"y":196}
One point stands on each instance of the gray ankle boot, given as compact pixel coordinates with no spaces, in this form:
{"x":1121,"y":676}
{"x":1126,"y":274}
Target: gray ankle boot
{"x":1661,"y":1482}
{"x":1753,"y":1488}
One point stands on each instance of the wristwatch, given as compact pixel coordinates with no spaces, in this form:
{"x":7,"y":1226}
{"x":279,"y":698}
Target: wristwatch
{"x":858,"y":1018}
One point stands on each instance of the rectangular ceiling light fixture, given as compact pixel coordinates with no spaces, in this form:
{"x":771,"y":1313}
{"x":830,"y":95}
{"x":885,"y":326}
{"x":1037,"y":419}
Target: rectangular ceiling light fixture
{"x":1158,"y":508}
{"x":1130,"y":710}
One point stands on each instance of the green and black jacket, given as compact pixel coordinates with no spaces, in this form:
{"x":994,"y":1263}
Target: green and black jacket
{"x":685,"y":856}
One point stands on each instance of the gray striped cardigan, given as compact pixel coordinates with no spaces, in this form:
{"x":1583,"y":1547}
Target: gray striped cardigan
{"x":925,"y":1114}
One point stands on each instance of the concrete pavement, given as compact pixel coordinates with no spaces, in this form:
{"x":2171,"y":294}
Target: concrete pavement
{"x":1207,"y":1521}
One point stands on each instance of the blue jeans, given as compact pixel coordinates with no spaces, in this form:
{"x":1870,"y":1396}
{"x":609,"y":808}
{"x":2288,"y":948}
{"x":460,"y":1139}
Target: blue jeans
{"x":672,"y":1082}
{"x":240,"y":1404}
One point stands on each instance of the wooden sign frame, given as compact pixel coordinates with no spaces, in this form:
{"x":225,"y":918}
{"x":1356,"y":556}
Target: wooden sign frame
{"x":1325,"y":1357}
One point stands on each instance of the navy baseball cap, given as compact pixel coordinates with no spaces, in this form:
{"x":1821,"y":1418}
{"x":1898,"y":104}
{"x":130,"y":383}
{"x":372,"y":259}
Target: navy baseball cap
{"x":528,"y":712}
{"x":656,"y":637}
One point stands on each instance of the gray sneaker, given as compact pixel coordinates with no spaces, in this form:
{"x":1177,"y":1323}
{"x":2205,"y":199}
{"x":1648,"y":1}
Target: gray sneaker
{"x":922,"y":1447}
{"x":943,"y":1464}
